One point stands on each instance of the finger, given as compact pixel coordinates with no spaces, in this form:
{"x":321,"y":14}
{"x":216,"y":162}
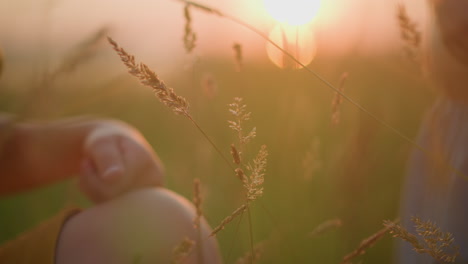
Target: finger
{"x":142,"y":163}
{"x":86,"y":183}
{"x":107,"y":157}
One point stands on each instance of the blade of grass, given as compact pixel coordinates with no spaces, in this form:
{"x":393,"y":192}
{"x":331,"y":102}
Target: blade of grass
{"x":323,"y":80}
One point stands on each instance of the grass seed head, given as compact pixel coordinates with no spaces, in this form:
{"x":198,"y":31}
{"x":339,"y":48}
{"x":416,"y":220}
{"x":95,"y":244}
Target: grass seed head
{"x":241,"y":175}
{"x":235,"y":155}
{"x":429,"y":240}
{"x":239,"y":111}
{"x":257,"y":173}
{"x":229,"y":219}
{"x":326,"y":226}
{"x":190,"y":37}
{"x":197,"y":201}
{"x":148,"y":78}
{"x":366,"y":244}
{"x":83,"y":52}
{"x":409,"y":33}
{"x":250,"y":258}
{"x":338,"y":99}
{"x":238,"y":56}
{"x":182,"y":250}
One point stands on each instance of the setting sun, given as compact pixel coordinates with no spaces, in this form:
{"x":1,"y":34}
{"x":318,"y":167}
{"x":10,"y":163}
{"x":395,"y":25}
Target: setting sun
{"x":298,"y":41}
{"x":293,"y":12}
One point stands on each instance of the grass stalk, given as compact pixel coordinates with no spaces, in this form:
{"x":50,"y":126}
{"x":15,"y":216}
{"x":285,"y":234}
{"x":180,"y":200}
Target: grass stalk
{"x":211,"y":142}
{"x":251,"y":235}
{"x":235,"y":235}
{"x":242,"y":23}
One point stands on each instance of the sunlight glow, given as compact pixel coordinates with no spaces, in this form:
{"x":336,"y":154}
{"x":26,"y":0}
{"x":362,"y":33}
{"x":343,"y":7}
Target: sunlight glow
{"x":299,"y":41}
{"x":293,"y":12}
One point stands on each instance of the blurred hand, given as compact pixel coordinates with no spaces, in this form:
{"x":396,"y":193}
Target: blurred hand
{"x":117,"y":159}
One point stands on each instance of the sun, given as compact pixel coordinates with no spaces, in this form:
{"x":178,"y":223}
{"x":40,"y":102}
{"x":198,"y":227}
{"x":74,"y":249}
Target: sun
{"x":299,"y":41}
{"x":293,"y":12}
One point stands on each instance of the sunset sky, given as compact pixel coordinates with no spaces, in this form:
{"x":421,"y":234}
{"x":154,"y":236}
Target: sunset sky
{"x":155,"y":27}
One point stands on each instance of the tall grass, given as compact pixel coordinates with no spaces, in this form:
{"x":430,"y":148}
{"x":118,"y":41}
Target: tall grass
{"x":359,"y":162}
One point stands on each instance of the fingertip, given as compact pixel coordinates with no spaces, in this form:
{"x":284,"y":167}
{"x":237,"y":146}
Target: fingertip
{"x":106,"y":156}
{"x":113,"y":173}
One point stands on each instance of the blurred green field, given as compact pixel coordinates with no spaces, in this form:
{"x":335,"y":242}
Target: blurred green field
{"x":361,"y":169}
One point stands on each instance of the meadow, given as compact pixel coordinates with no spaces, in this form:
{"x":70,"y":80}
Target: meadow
{"x":352,"y":170}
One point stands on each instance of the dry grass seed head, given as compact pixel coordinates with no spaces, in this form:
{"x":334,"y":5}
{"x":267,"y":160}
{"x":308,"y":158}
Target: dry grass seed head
{"x":202,"y":7}
{"x":408,"y":28}
{"x":326,"y":226}
{"x":235,"y":155}
{"x":182,"y":250}
{"x":440,"y":246}
{"x":257,"y":173}
{"x":248,"y":258}
{"x":366,"y":244}
{"x":229,"y":219}
{"x":148,"y":78}
{"x":338,"y":99}
{"x":190,"y":37}
{"x":241,"y":175}
{"x":197,"y":201}
{"x":83,"y":52}
{"x":409,"y":32}
{"x":238,"y":110}
{"x":238,"y":56}
{"x":209,"y":85}
{"x":398,"y":231}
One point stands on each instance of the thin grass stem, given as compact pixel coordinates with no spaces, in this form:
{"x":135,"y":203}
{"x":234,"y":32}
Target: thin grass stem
{"x":211,"y":142}
{"x":323,"y":80}
{"x":235,"y":236}
{"x":251,"y":235}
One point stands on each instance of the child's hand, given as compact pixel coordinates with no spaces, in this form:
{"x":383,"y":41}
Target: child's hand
{"x":117,"y":159}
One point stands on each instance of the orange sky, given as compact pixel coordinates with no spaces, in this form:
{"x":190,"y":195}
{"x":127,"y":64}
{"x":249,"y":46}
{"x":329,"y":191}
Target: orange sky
{"x":155,"y":27}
